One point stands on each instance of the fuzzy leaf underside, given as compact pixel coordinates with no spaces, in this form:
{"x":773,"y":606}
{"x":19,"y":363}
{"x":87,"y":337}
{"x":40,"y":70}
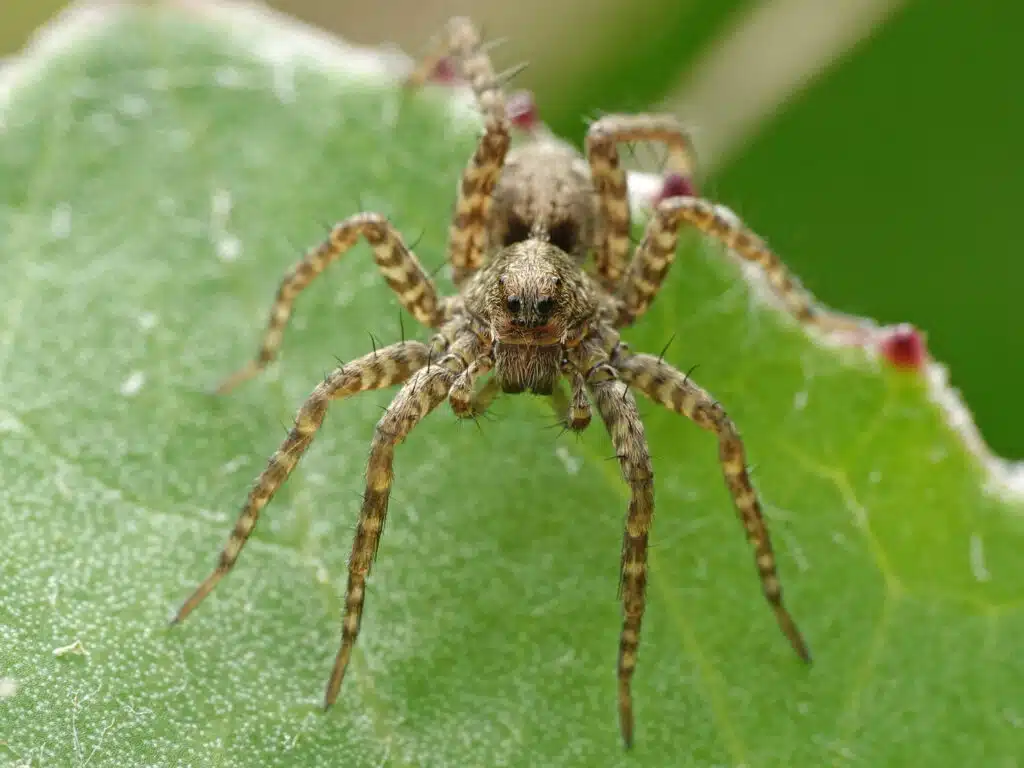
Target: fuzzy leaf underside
{"x":158,"y":173}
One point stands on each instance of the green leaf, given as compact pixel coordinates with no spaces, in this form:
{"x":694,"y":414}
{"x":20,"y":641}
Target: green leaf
{"x":159,"y":170}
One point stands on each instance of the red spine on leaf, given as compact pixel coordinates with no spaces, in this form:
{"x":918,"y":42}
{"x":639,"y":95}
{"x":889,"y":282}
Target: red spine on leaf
{"x":903,"y":346}
{"x":444,"y":72}
{"x":522,"y":110}
{"x":676,"y":185}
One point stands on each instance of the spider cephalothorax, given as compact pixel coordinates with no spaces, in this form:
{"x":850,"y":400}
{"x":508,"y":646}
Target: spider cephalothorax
{"x":533,"y":300}
{"x":540,"y":252}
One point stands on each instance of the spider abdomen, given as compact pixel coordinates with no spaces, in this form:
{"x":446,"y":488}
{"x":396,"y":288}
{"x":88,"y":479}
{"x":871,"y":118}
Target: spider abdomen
{"x":527,"y":368}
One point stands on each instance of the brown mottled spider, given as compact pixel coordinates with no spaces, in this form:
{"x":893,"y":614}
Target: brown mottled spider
{"x":526,"y":223}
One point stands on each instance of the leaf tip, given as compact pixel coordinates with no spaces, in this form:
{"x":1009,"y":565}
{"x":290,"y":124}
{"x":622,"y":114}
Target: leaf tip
{"x":77,"y":22}
{"x":281,"y":39}
{"x":675,"y":185}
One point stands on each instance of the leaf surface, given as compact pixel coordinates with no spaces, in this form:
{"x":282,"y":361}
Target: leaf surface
{"x":159,"y":171}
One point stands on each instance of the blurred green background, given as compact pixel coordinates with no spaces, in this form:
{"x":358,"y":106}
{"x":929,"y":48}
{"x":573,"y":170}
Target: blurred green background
{"x":874,"y":143}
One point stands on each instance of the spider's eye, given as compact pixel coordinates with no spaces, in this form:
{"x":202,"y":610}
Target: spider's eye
{"x":514,"y":304}
{"x":545,"y":306}
{"x":563,"y":235}
{"x":517,"y":231}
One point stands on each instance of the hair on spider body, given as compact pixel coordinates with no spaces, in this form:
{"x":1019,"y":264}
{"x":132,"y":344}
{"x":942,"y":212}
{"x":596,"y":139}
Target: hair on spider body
{"x":532,"y":300}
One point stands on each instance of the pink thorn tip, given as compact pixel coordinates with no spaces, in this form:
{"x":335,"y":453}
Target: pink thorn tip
{"x":903,"y":346}
{"x":676,"y":185}
{"x":522,"y":110}
{"x":444,"y":71}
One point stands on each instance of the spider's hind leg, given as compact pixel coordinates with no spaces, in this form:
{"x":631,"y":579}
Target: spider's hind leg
{"x":467,"y":235}
{"x":609,"y":179}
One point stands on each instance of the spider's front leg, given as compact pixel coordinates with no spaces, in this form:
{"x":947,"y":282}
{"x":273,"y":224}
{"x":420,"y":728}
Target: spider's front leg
{"x":418,"y":397}
{"x":467,"y":236}
{"x":618,"y":411}
{"x":383,"y":368}
{"x":657,"y":251}
{"x":397,"y":263}
{"x":665,"y":385}
{"x":609,"y":179}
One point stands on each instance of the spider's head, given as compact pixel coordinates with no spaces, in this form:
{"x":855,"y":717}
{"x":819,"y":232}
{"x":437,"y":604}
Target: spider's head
{"x":536,"y":294}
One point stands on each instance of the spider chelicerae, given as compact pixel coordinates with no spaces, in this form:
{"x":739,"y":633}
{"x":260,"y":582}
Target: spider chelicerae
{"x":536,"y":314}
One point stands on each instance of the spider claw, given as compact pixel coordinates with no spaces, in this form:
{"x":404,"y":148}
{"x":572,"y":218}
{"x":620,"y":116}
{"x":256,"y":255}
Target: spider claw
{"x":626,"y":723}
{"x":243,"y":374}
{"x":793,"y":635}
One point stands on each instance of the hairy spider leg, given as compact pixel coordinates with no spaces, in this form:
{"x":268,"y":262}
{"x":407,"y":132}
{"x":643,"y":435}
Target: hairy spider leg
{"x":418,"y":397}
{"x":463,"y":397}
{"x":603,"y":137}
{"x":657,"y":251}
{"x":618,"y":411}
{"x":397,"y":263}
{"x":467,"y":235}
{"x":383,"y":368}
{"x":572,"y":410}
{"x":671,"y":388}
{"x":578,"y":417}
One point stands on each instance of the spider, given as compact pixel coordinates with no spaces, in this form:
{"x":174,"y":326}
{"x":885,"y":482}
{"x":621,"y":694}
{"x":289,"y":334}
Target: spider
{"x":533,"y":312}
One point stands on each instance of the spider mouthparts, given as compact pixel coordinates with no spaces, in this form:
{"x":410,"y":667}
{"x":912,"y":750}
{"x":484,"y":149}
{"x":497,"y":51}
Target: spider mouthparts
{"x":541,"y":336}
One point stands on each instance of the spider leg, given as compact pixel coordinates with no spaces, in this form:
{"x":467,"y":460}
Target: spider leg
{"x":484,"y":397}
{"x":399,"y":265}
{"x":677,"y":392}
{"x":379,"y":369}
{"x":618,"y":411}
{"x":467,"y":235}
{"x":418,"y":397}
{"x":657,"y":250}
{"x":462,"y":397}
{"x":574,"y":411}
{"x":579,"y":404}
{"x":609,"y":179}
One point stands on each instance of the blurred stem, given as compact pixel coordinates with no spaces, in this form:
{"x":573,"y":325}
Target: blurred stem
{"x":746,"y":74}
{"x":663,"y":36}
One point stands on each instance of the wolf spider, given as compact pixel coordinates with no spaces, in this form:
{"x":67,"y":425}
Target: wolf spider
{"x":526,"y":222}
